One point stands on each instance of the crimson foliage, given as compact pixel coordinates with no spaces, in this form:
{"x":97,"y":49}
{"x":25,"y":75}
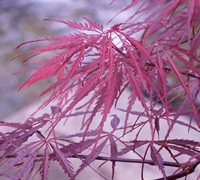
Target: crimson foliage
{"x":100,"y":76}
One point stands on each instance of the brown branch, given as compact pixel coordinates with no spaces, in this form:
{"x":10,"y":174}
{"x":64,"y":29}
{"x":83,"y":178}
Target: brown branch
{"x":186,"y":73}
{"x":129,"y":160}
{"x":117,"y":159}
{"x":182,"y":72}
{"x":189,"y":169}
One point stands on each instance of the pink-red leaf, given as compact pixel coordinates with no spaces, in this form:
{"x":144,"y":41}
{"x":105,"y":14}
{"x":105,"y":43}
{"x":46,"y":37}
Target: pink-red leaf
{"x":82,"y":26}
{"x":91,"y":157}
{"x":64,"y":162}
{"x":45,"y":164}
{"x":115,"y":122}
{"x":158,"y":160}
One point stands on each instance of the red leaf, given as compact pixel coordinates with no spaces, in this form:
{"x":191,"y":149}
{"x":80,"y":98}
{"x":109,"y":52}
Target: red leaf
{"x":113,"y":146}
{"x":65,"y":164}
{"x":76,"y":148}
{"x":158,"y":160}
{"x":82,"y":26}
{"x":55,"y":110}
{"x":94,"y":24}
{"x":114,"y":122}
{"x":91,"y":157}
{"x":45,"y":164}
{"x":186,"y":151}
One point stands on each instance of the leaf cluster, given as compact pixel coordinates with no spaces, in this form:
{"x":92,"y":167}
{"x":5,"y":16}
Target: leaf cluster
{"x":99,"y":76}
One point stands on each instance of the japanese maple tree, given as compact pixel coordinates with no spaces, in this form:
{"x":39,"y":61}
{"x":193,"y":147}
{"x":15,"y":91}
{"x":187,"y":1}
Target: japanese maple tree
{"x":100,"y":77}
